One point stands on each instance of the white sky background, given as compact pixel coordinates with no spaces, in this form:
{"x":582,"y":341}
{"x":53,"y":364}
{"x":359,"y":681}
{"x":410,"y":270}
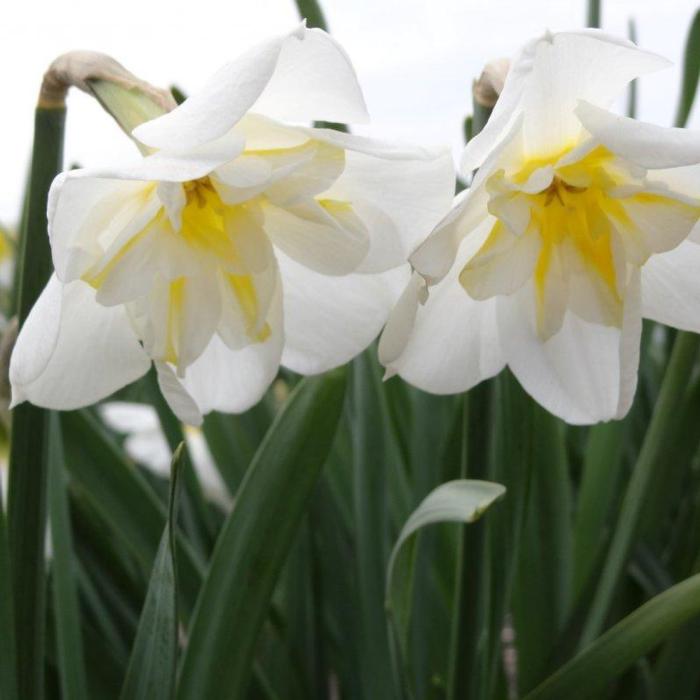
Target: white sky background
{"x":415,"y":58}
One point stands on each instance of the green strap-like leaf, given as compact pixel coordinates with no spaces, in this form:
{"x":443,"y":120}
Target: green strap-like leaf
{"x":152,"y":665}
{"x":255,"y":540}
{"x":69,"y":640}
{"x":459,"y":501}
{"x":371,"y":462}
{"x":590,"y":672}
{"x":28,"y":454}
{"x":691,"y":72}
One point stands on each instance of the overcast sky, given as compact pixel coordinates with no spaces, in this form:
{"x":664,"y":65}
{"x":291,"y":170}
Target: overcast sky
{"x":415,"y":58}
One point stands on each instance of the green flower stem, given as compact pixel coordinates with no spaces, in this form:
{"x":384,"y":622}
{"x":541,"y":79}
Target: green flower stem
{"x":311,"y":11}
{"x":674,"y":384}
{"x":593,"y":19}
{"x":28,"y":450}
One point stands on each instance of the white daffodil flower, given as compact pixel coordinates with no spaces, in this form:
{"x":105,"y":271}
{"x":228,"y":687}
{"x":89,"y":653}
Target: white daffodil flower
{"x":539,"y":264}
{"x":239,"y":243}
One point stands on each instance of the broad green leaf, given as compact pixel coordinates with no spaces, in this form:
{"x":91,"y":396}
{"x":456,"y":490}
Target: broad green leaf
{"x":588,"y":674}
{"x":460,"y":501}
{"x":151,"y":671}
{"x":691,"y":72}
{"x":66,"y":611}
{"x":28,"y":453}
{"x":255,"y":541}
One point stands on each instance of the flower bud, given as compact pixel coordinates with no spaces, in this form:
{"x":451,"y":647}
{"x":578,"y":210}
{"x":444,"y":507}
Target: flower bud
{"x":490,"y":83}
{"x":129,"y":100}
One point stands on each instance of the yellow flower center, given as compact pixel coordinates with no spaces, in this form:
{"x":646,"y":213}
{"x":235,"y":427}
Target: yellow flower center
{"x":207,"y":235}
{"x":575,"y":236}
{"x":579,"y":215}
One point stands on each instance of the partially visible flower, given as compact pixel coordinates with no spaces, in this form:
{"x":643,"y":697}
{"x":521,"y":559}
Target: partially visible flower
{"x":489,"y":85}
{"x":241,"y":243}
{"x":146,"y":444}
{"x":538,"y":265}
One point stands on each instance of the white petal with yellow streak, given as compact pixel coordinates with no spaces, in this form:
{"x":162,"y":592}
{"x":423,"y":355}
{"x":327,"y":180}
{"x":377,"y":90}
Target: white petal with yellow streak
{"x":325,"y":236}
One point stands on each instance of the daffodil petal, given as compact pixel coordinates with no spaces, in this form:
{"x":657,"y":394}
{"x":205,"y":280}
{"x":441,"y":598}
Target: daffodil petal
{"x":325,"y":236}
{"x":313,"y":80}
{"x":329,"y":320}
{"x":83,"y":210}
{"x":655,"y":221}
{"x":403,"y":200}
{"x":454,"y":343}
{"x":72,"y":351}
{"x":303,"y":75}
{"x":435,"y":256}
{"x":548,"y":78}
{"x":468,"y":218}
{"x":222,"y":379}
{"x":401,"y":322}
{"x":180,"y":401}
{"x":584,"y":373}
{"x":504,"y":263}
{"x":648,"y":145}
{"x":671,"y":287}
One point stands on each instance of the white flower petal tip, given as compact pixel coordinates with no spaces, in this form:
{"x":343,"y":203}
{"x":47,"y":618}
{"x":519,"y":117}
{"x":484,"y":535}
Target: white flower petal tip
{"x":304,"y":75}
{"x":389,"y":372}
{"x":400,"y":323}
{"x":586,"y":372}
{"x":17,"y":398}
{"x":179,"y":400}
{"x":547,"y":78}
{"x":538,"y":264}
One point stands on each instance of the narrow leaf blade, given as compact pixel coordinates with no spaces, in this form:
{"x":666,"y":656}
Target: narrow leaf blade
{"x":151,"y":671}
